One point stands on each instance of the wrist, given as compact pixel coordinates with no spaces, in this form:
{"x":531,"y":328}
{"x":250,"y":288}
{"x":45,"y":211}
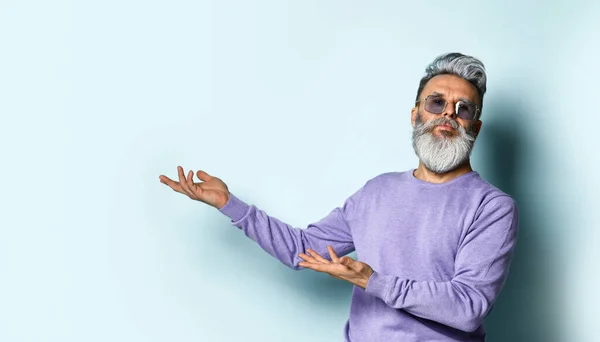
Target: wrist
{"x":368,"y":276}
{"x":223,"y":202}
{"x":365,"y":280}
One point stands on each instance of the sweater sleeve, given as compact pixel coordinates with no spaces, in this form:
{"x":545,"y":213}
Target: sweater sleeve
{"x":481,"y":267}
{"x":285,"y":242}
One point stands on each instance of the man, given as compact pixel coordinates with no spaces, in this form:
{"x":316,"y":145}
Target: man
{"x":433,"y":244}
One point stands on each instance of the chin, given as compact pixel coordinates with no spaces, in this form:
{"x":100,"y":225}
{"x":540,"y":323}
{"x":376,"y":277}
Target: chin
{"x":442,"y":171}
{"x":445,"y":134}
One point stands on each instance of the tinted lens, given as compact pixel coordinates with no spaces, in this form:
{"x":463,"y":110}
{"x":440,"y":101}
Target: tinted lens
{"x":465,"y":110}
{"x":435,"y":104}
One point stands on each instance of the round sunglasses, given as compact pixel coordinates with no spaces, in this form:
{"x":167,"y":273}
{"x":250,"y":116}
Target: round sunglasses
{"x":436,"y":104}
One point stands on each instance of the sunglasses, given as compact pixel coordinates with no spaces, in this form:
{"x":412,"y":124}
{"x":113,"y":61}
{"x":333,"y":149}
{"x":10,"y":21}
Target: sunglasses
{"x":436,"y":104}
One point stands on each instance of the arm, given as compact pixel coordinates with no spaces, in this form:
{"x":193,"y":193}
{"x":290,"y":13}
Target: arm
{"x":285,"y":242}
{"x":277,"y":238}
{"x":481,"y":267}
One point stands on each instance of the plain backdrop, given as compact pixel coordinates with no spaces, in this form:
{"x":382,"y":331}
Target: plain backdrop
{"x":294,"y":104}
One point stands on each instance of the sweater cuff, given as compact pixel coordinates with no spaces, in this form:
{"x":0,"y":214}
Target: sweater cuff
{"x":235,"y":208}
{"x":378,"y":285}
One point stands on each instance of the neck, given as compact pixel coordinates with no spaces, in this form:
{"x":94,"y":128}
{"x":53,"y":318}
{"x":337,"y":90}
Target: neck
{"x":427,"y":175}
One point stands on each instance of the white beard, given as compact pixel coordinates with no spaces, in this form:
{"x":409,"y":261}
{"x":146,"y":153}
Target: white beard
{"x":445,"y":153}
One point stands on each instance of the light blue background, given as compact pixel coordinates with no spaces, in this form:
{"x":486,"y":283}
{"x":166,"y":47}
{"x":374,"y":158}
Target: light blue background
{"x":294,"y":104}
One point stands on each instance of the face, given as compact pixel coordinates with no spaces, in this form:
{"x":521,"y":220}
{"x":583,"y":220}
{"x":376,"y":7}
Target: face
{"x":444,"y":141}
{"x":453,"y":89}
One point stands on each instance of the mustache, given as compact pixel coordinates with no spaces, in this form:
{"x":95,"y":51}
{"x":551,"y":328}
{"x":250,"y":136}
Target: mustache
{"x":429,"y":126}
{"x":422,"y":128}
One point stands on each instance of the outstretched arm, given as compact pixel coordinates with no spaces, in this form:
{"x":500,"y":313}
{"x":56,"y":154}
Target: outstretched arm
{"x":286,"y":242}
{"x":279,"y":239}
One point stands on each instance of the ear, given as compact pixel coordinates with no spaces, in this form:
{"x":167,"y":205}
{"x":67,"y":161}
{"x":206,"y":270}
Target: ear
{"x":413,"y":116}
{"x":477,"y":127}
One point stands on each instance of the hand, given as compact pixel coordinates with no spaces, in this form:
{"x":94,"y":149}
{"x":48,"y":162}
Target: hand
{"x":345,"y":268}
{"x":211,"y":191}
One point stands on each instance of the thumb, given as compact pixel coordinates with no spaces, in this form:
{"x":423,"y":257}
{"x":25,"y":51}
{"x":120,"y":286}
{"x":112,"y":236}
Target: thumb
{"x":346,"y":261}
{"x":203,"y":176}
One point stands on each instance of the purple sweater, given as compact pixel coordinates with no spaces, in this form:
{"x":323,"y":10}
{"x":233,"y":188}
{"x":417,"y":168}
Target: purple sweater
{"x":440,"y":253}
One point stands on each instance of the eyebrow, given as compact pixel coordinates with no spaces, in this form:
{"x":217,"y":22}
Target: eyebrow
{"x":435,"y":93}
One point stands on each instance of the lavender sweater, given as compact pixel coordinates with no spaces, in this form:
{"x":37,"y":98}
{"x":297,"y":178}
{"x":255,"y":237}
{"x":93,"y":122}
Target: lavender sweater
{"x":440,"y":252}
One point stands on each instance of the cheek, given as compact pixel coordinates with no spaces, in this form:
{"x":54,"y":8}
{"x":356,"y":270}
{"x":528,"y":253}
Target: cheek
{"x":465,"y":124}
{"x":471,"y":128}
{"x":426,"y":117}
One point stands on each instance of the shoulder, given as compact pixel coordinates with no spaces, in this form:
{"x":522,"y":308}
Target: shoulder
{"x":377,"y":185}
{"x":491,"y":198}
{"x":386,"y":179}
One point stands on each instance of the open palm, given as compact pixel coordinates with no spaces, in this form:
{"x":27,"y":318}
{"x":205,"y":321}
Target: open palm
{"x":212,"y":190}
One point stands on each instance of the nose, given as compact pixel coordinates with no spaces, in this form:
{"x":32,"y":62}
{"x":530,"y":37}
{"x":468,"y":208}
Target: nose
{"x":450,"y":111}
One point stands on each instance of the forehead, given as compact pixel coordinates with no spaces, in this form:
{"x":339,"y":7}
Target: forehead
{"x":452,"y":87}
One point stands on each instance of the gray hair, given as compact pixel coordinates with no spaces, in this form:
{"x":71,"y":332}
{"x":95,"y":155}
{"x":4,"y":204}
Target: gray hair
{"x":466,"y":67}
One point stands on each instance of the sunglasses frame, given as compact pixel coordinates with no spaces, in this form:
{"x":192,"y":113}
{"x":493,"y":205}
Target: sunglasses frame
{"x":446,"y":103}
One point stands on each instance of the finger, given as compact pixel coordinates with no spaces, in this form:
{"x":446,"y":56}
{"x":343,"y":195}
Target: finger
{"x":351,"y":264}
{"x":190,"y":178}
{"x":347,"y":261}
{"x":196,"y":190}
{"x":334,"y":270}
{"x":183,"y":182}
{"x":305,"y":264}
{"x":190,"y":183}
{"x":307,"y":258}
{"x":334,"y":256}
{"x":315,"y":266}
{"x":171,"y":183}
{"x":317,"y":256}
{"x":203,"y":176}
